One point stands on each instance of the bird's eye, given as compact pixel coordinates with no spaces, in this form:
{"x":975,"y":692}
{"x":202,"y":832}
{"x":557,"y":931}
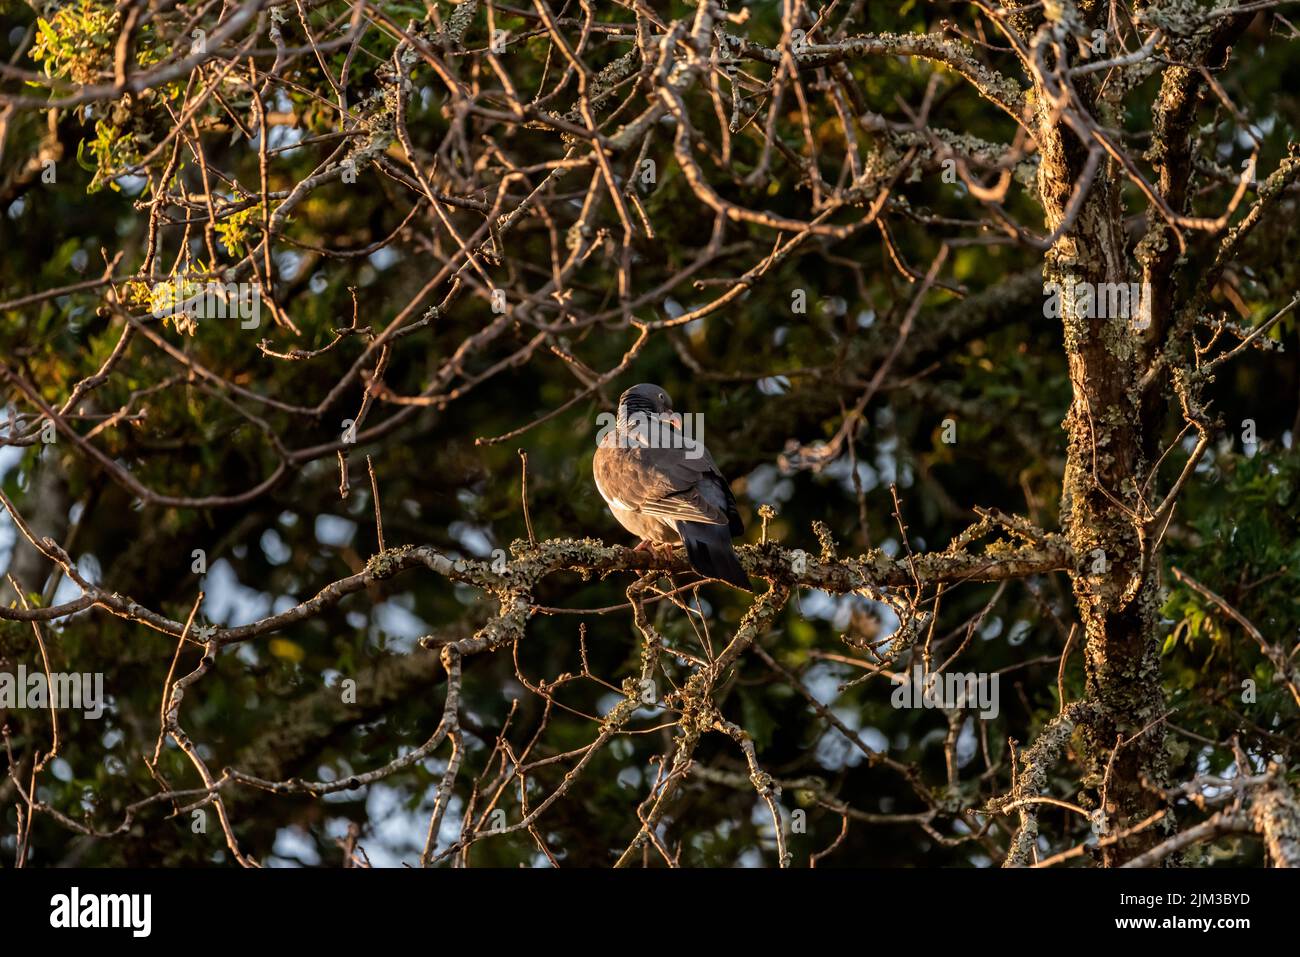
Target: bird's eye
{"x":662,"y":397}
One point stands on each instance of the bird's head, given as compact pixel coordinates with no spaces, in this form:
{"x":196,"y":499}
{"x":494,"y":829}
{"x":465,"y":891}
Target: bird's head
{"x":646,"y":401}
{"x":646,"y":398}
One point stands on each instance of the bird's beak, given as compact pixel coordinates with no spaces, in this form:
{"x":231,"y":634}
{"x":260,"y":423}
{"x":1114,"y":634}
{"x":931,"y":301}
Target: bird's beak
{"x":675,"y":419}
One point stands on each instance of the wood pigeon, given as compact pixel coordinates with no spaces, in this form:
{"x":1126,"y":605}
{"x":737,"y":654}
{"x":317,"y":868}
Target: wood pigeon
{"x":663,"y":485}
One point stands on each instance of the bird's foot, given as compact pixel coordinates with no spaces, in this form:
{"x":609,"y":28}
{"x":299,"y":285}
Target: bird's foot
{"x":660,"y":550}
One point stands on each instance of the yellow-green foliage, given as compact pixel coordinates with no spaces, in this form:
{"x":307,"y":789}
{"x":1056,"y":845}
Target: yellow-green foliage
{"x":77,"y":42}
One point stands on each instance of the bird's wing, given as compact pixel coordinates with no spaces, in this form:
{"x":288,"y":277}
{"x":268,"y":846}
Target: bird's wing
{"x":665,"y":483}
{"x":717,"y":489}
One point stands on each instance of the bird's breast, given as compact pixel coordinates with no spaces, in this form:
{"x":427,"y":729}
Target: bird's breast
{"x":613,"y":501}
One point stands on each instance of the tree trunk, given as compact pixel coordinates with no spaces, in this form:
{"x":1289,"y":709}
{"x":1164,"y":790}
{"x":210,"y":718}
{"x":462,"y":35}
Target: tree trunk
{"x":1100,"y":511}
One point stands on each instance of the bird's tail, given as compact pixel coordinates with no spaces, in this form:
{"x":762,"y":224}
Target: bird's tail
{"x":708,"y":549}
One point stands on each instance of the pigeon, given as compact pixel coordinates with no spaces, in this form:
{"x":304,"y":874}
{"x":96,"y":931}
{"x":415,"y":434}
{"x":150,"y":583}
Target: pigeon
{"x":663,"y":485}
